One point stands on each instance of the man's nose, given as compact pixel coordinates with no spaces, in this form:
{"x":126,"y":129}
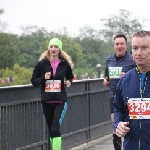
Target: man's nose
{"x":120,"y":45}
{"x":139,"y":51}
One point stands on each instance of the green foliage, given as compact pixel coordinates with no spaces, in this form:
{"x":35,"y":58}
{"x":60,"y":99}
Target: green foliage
{"x":31,"y":45}
{"x":95,"y":52}
{"x":20,"y":75}
{"x":18,"y":54}
{"x":8,"y":51}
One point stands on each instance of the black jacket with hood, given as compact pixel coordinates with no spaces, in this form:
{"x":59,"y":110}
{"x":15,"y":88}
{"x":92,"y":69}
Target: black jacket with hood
{"x":63,"y":72}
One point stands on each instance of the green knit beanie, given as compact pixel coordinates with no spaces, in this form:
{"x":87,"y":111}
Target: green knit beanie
{"x":55,"y":41}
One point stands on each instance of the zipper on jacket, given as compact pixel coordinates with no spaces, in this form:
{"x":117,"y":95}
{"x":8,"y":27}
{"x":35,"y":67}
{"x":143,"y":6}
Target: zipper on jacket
{"x":142,"y":89}
{"x":140,"y":135}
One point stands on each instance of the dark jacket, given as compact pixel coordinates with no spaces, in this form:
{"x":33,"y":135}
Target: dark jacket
{"x":63,"y":72}
{"x":126,"y":62}
{"x":138,"y":138}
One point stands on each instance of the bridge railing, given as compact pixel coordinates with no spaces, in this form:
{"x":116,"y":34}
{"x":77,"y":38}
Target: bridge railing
{"x":23,"y":127}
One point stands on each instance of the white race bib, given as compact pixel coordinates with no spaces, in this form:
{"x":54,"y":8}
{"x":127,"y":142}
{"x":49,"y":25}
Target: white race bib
{"x":114,"y":72}
{"x":53,"y":86}
{"x":139,"y":108}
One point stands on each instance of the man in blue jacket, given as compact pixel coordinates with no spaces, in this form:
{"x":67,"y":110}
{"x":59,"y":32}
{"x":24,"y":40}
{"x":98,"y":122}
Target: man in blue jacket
{"x":132,"y":99}
{"x":116,"y":66}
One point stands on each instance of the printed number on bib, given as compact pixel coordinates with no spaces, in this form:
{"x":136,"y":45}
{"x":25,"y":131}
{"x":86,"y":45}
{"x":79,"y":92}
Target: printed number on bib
{"x":139,"y":108}
{"x":53,"y":86}
{"x":114,"y":72}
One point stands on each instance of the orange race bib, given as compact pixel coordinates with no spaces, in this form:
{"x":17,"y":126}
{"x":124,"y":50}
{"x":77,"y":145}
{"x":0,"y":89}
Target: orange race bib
{"x":53,"y":86}
{"x":139,"y":108}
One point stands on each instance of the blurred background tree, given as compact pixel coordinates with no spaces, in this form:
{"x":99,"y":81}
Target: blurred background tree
{"x":20,"y":53}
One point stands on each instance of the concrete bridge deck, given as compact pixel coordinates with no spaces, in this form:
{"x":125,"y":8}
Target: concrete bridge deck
{"x":103,"y":143}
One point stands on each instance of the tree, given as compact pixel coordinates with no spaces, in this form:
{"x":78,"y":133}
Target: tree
{"x":32,"y":44}
{"x":87,"y":32}
{"x":1,"y":11}
{"x":17,"y":75}
{"x":122,"y":22}
{"x":8,"y":51}
{"x":34,"y":41}
{"x":3,"y":25}
{"x":72,"y":48}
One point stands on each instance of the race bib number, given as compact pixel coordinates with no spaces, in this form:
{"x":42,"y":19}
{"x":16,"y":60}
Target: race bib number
{"x":114,"y":72}
{"x":53,"y":86}
{"x":139,"y":108}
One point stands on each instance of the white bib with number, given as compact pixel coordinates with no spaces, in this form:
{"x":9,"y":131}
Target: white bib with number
{"x":139,"y":108}
{"x":114,"y":72}
{"x":53,"y":86}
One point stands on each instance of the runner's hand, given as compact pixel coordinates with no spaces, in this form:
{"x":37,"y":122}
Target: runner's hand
{"x":106,"y":82}
{"x":68,"y":83}
{"x":122,"y":74}
{"x":122,"y":129}
{"x":47,"y":75}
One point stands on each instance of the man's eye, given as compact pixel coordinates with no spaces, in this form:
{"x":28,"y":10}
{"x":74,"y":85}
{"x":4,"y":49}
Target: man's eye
{"x":122,"y":44}
{"x":135,"y":48}
{"x":144,"y":48}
